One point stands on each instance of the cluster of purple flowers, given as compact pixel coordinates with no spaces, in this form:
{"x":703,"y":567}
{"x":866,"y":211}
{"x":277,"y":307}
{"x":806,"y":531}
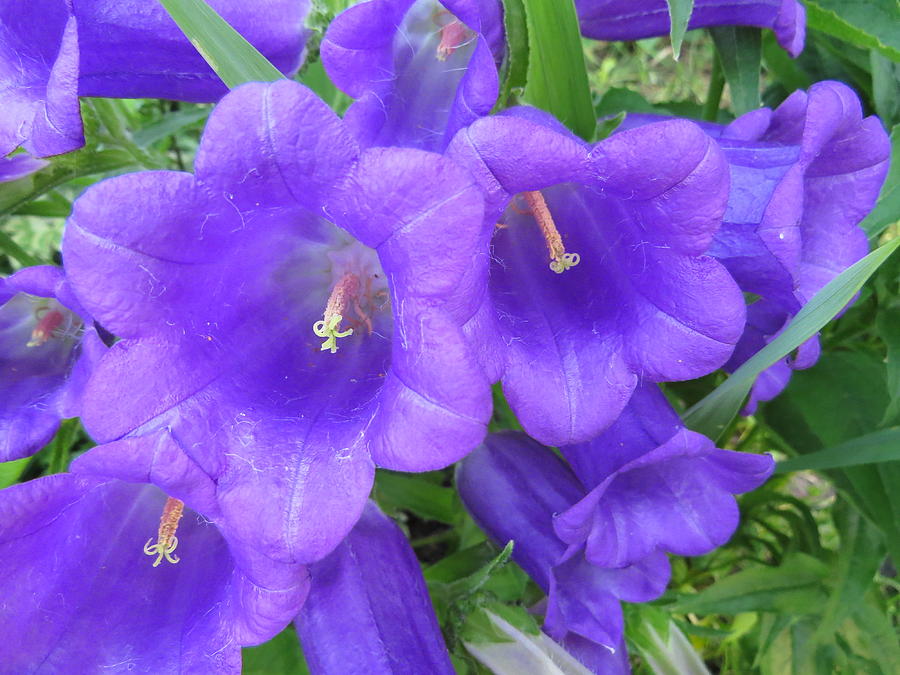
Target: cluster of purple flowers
{"x":322,"y":297}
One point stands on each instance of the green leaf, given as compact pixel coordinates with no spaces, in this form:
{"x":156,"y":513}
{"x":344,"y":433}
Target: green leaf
{"x":170,"y":124}
{"x":712,"y":415}
{"x":782,"y":66}
{"x":84,"y":162}
{"x":871,"y":24}
{"x":885,"y":88}
{"x":279,"y":656}
{"x":859,"y":558}
{"x":234,"y":59}
{"x":795,"y":587}
{"x":424,"y":498}
{"x":514,"y":75}
{"x":557,"y":77}
{"x":887,"y":323}
{"x":679,"y":16}
{"x":881,"y":446}
{"x":839,"y":401}
{"x":740,"y":52}
{"x":10,"y":471}
{"x":887,"y":209}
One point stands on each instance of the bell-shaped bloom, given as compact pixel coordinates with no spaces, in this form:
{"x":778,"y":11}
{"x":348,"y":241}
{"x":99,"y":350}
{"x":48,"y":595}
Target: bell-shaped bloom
{"x":419,"y":69}
{"x":637,"y":19}
{"x":803,"y":176}
{"x":52,"y":51}
{"x":368,"y":609}
{"x":597,"y":270}
{"x":654,"y":486}
{"x":513,"y":487}
{"x":132,"y":575}
{"x":283,"y":311}
{"x":598,"y":533}
{"x":48,"y":347}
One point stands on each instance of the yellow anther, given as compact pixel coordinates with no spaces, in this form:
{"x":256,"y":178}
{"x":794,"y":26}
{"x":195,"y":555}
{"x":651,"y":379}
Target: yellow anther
{"x":568,"y":260}
{"x":329,"y":330}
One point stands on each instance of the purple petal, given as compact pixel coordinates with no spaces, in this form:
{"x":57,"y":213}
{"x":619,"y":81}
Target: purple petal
{"x":19,"y":166}
{"x":39,"y":55}
{"x":636,"y":19}
{"x":47,"y":354}
{"x":368,"y":609}
{"x":132,"y":49}
{"x":673,"y":495}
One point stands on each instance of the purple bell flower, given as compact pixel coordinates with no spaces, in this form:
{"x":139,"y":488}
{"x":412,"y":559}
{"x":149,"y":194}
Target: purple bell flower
{"x":419,"y":69}
{"x":52,"y":51}
{"x":513,"y":487}
{"x":287,"y":354}
{"x":368,"y":609}
{"x":654,"y":485}
{"x":802,"y":179}
{"x":636,"y":19}
{"x":597,"y":274}
{"x":643,"y":488}
{"x":102,"y":575}
{"x":48,"y":347}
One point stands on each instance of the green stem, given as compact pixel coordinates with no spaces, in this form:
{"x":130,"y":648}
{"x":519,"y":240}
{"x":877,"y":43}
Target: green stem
{"x":714,"y":92}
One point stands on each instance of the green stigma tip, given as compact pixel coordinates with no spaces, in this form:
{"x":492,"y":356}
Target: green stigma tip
{"x":564,"y":262}
{"x":162,"y":550}
{"x":329,"y":330}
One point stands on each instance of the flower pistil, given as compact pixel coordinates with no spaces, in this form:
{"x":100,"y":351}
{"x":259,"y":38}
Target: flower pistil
{"x":166,"y":541}
{"x":560,"y":260}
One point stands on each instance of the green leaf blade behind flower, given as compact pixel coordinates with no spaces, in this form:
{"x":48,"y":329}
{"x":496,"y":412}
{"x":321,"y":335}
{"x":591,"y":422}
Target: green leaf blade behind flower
{"x":712,"y":415}
{"x":679,"y":15}
{"x":234,"y":59}
{"x":557,"y":76}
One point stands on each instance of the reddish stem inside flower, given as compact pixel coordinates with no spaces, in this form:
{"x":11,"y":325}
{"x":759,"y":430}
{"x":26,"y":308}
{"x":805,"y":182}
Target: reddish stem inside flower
{"x":48,"y":321}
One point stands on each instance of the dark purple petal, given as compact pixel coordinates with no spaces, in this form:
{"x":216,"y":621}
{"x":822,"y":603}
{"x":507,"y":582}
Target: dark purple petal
{"x":368,"y":609}
{"x":76,"y":577}
{"x":388,"y":55}
{"x":48,"y":349}
{"x":639,"y":209}
{"x":216,"y":282}
{"x":636,"y":19}
{"x":673,"y":494}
